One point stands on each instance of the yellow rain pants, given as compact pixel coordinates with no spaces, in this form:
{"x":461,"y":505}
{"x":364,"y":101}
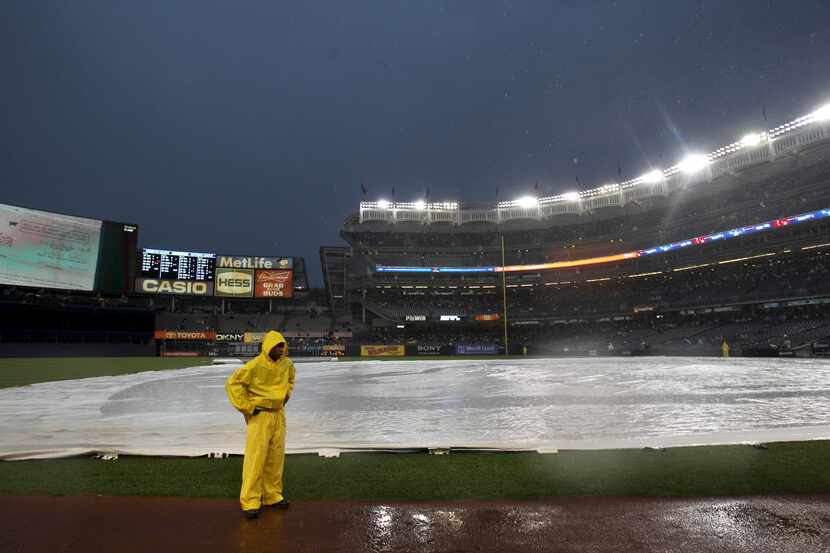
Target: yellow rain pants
{"x":264,"y":460}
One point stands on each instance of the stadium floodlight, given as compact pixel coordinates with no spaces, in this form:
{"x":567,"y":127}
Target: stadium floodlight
{"x":652,"y":176}
{"x":571,"y":196}
{"x":751,"y":139}
{"x":383,"y":204}
{"x":693,"y":163}
{"x":420,"y":204}
{"x":527,"y":202}
{"x":822,"y":113}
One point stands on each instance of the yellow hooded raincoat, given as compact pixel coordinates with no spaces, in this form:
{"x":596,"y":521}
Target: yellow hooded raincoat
{"x":259,"y":390}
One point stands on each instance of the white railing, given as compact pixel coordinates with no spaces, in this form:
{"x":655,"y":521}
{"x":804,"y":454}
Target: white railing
{"x":751,"y":150}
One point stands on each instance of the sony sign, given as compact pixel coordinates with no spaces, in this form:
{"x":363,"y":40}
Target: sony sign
{"x":429,"y":349}
{"x":416,"y":317}
{"x":253,"y":262}
{"x":177,"y":287}
{"x":230,"y":336}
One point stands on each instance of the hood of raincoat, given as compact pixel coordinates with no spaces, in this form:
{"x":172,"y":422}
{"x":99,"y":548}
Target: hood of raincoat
{"x":271,"y":339}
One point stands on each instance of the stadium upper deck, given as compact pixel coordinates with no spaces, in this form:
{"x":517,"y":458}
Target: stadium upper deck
{"x":751,"y":152}
{"x":782,"y":173}
{"x":768,"y":193}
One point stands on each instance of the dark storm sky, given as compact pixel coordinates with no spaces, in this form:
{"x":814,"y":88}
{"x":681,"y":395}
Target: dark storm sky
{"x":248,"y":126}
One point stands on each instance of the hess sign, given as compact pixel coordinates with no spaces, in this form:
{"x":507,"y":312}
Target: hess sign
{"x":234,"y":283}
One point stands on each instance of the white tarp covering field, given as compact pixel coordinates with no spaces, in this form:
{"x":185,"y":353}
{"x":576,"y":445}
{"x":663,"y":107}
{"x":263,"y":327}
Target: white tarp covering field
{"x":541,"y":404}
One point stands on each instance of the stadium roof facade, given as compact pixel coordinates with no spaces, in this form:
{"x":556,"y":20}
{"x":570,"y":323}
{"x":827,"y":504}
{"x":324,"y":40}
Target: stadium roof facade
{"x":752,"y":150}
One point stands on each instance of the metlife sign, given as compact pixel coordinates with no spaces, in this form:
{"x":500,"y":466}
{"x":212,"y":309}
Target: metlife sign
{"x":253,"y":262}
{"x":234,"y":283}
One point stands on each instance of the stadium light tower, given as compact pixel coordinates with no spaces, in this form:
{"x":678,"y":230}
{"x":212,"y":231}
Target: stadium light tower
{"x":652,"y":176}
{"x":383,"y":204}
{"x":527,"y":202}
{"x":693,"y":163}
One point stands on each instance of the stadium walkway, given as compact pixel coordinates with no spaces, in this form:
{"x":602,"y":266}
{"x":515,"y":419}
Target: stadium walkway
{"x":125,"y":524}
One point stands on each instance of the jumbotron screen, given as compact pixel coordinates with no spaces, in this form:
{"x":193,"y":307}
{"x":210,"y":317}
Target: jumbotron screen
{"x":171,"y":265}
{"x":48,"y":250}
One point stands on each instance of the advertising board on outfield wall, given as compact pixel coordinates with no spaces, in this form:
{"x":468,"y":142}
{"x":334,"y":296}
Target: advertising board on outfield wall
{"x":337,"y":350}
{"x":476,"y":349}
{"x":274,"y":284}
{"x":382,"y":351}
{"x":184,"y":335}
{"x":254,"y":262}
{"x":230,"y":336}
{"x":175,"y":287}
{"x":253,"y":337}
{"x":256,"y":337}
{"x":234,"y":283}
{"x":487,"y":317}
{"x":429,"y":349}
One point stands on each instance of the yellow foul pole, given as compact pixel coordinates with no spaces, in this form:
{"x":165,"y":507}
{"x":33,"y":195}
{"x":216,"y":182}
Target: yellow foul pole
{"x":504,"y":294}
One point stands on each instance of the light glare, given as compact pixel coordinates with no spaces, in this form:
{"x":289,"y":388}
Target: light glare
{"x":751,"y":139}
{"x":383,"y":204}
{"x":420,"y":204}
{"x":571,"y":196}
{"x":822,"y":113}
{"x":693,"y":163}
{"x":527,"y":202}
{"x":653,"y":176}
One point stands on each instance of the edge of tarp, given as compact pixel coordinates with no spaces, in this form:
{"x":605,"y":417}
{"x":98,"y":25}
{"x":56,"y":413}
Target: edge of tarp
{"x":333,"y":452}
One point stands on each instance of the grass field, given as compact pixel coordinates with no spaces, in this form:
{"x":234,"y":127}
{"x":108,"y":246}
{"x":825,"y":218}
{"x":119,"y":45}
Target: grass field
{"x":20,"y":371}
{"x":691,"y":471}
{"x":699,"y":471}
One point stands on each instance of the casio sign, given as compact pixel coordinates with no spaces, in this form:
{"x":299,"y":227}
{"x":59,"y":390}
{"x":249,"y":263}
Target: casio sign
{"x":181,"y":287}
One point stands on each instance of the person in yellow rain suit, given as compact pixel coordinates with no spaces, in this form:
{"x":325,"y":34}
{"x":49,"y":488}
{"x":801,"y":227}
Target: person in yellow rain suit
{"x":259,"y":390}
{"x":725,"y":348}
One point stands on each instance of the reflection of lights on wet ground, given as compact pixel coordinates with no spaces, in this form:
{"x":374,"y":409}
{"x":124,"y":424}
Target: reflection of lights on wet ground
{"x":422,"y":528}
{"x":380,"y":520}
{"x":727,"y":520}
{"x":450,"y":519}
{"x":531,"y":521}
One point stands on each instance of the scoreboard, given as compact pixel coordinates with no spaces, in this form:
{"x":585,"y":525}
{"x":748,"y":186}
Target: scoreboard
{"x":170,"y":265}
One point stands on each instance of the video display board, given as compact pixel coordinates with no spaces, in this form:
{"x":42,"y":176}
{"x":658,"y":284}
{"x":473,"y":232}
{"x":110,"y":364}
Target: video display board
{"x":117,"y":259}
{"x":173,"y":265}
{"x":48,"y":250}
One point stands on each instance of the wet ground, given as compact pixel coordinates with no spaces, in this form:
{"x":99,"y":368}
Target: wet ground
{"x":783,"y":524}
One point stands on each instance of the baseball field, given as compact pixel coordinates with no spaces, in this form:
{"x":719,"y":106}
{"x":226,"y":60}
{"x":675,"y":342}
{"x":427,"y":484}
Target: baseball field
{"x":785,"y":467}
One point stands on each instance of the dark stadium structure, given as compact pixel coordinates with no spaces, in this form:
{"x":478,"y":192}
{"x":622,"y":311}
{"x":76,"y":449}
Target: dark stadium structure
{"x":645,"y":266}
{"x":732,"y":246}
